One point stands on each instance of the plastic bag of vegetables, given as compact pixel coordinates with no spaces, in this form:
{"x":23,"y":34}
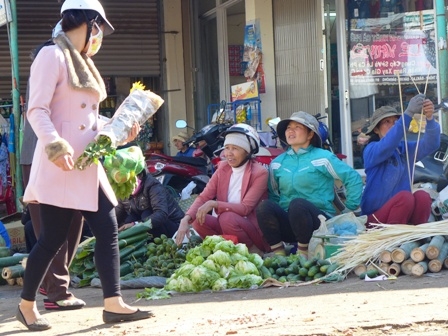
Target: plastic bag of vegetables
{"x":122,"y":170}
{"x":139,"y":106}
{"x":217,"y":264}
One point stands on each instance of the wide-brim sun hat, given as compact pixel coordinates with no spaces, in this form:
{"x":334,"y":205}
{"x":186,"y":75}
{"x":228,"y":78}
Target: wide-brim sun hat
{"x":182,"y":136}
{"x":380,"y":114}
{"x":306,"y":120}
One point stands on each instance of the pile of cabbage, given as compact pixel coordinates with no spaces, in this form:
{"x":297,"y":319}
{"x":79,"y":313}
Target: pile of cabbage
{"x":217,"y":264}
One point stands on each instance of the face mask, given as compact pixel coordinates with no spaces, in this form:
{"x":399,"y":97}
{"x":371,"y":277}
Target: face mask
{"x":95,"y":42}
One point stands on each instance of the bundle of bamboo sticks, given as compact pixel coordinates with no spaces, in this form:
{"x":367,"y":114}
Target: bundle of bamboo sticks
{"x":406,"y":241}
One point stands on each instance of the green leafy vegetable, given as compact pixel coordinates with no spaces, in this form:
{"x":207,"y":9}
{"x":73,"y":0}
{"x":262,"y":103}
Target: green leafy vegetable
{"x":153,"y":293}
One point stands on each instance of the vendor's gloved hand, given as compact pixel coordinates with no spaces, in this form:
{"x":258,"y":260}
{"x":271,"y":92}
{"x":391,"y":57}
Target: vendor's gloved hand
{"x":415,"y":105}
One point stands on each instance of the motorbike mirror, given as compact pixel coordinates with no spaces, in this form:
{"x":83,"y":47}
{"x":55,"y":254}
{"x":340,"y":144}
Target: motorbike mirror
{"x":443,"y":104}
{"x":181,"y":123}
{"x":273,"y":122}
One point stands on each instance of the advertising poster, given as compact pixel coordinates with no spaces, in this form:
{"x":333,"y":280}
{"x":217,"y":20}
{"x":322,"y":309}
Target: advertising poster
{"x":253,"y":55}
{"x":378,"y":55}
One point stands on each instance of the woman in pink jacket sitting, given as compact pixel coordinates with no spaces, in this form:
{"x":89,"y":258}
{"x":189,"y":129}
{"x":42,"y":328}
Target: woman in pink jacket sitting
{"x":232,"y":193}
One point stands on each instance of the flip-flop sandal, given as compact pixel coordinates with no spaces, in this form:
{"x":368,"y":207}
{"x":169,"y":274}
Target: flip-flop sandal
{"x":64,"y":304}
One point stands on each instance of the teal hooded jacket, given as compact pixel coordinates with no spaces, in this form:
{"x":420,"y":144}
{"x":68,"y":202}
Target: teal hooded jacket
{"x":310,"y":174}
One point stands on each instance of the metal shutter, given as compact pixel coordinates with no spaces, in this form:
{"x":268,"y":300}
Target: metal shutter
{"x":298,"y":50}
{"x":132,"y":50}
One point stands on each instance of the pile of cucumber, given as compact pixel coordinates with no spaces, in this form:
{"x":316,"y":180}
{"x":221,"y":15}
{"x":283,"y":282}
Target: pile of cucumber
{"x":295,"y":268}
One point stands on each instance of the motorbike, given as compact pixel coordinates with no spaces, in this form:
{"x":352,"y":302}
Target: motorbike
{"x":176,"y":173}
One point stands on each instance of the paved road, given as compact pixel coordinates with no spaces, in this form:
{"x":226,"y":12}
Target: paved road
{"x":406,"y":306}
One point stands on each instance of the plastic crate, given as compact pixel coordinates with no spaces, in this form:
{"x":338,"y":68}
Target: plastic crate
{"x":231,"y":111}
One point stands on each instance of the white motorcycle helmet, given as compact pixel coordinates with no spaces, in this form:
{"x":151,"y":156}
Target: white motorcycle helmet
{"x":94,"y":5}
{"x":250,"y":133}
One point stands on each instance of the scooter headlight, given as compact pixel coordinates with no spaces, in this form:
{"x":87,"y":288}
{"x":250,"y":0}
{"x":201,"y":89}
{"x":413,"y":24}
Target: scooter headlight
{"x":159,"y":166}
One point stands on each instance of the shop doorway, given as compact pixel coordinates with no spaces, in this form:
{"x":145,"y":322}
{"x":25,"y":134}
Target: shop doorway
{"x":219,"y":31}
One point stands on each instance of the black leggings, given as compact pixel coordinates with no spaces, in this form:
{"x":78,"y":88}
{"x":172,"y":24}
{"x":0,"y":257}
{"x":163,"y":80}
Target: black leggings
{"x":55,"y":223}
{"x":295,"y":225}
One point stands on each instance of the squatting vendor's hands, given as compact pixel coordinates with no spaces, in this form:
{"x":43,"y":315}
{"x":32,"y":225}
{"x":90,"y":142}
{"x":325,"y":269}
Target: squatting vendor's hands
{"x":204,"y":210}
{"x":183,"y":230}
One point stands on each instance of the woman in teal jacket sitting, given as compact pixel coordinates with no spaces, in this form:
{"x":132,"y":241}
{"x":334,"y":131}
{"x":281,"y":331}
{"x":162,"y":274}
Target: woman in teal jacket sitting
{"x":301,"y":185}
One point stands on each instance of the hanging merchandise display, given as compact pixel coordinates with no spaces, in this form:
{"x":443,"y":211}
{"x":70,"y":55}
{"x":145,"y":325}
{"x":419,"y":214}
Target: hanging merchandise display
{"x":253,"y":55}
{"x":359,"y":9}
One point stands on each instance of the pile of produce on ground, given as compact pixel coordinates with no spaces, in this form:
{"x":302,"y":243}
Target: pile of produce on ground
{"x":11,"y":268}
{"x":396,"y":249}
{"x":162,"y":258}
{"x":411,"y":258}
{"x":219,"y":264}
{"x":132,"y":244}
{"x":140,"y":255}
{"x":296,"y":268}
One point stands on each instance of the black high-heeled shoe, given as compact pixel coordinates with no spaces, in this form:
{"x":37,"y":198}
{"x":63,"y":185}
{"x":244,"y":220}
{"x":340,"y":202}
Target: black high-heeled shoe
{"x":40,"y":324}
{"x":109,"y":317}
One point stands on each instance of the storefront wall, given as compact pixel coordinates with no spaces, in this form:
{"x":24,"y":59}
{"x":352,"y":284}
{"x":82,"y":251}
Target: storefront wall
{"x":174,"y":88}
{"x":311,"y":61}
{"x":403,"y":61}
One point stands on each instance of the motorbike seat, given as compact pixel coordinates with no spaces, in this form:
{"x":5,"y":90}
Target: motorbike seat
{"x":192,"y":161}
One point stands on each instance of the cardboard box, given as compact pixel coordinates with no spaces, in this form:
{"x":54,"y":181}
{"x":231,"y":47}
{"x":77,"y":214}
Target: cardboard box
{"x":16,"y":231}
{"x":244,"y":90}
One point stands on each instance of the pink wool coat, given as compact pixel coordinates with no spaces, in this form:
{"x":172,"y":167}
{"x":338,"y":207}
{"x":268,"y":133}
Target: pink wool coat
{"x":65,"y":92}
{"x":253,"y":191}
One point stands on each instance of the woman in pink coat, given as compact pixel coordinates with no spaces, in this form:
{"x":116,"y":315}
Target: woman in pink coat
{"x":65,"y":92}
{"x":233,"y":193}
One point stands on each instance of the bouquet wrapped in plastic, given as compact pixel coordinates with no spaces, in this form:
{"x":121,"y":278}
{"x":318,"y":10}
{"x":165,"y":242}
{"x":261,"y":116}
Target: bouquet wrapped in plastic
{"x":122,"y":170}
{"x":139,"y":106}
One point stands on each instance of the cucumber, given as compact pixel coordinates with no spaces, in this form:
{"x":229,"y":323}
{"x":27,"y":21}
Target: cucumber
{"x":322,"y":262}
{"x":280,"y":271}
{"x":323,"y":269}
{"x":310,"y":263}
{"x":370,"y":273}
{"x":313,"y":270}
{"x":296,"y":269}
{"x":302,"y":259}
{"x":331,"y":268}
{"x":290,"y":277}
{"x":293,"y":264}
{"x":265,"y":272}
{"x":267,"y":262}
{"x":282,"y":261}
{"x":318,"y":275}
{"x":289,"y":270}
{"x":293,"y":278}
{"x":303,"y":272}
